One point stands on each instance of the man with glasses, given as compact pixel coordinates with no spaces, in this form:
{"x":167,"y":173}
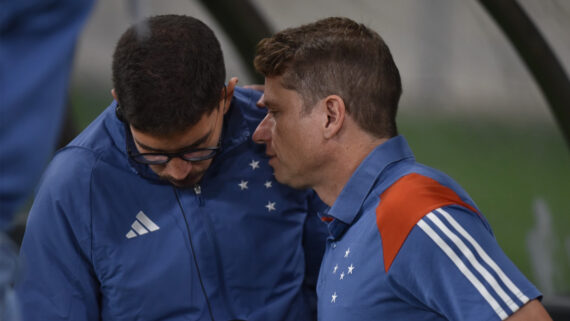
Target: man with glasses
{"x":163,"y":208}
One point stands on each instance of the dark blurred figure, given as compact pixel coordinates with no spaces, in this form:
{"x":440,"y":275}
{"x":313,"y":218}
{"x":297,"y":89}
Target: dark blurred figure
{"x":37,"y":42}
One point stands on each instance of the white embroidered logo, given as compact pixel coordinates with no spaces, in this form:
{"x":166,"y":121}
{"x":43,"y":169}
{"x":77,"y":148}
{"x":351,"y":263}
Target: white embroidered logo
{"x":141,"y":225}
{"x":251,"y":185}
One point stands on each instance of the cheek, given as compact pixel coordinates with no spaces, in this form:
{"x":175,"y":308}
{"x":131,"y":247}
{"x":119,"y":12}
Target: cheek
{"x":284,"y":136}
{"x":157,"y":168}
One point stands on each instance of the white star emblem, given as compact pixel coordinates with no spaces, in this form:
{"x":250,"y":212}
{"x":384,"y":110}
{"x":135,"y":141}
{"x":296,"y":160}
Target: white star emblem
{"x":243,"y":185}
{"x":334,"y":296}
{"x":335,"y":268}
{"x":347,"y":252}
{"x":270,"y":206}
{"x":254,"y":164}
{"x":268,"y":184}
{"x":342,"y":275}
{"x":350,"y":268}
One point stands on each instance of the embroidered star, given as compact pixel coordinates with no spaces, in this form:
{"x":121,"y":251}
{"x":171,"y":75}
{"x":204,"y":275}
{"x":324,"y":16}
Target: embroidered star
{"x":268,"y":184}
{"x":347,"y":252}
{"x":350,"y":268}
{"x":270,"y":206}
{"x":254,"y":164}
{"x":334,"y":296}
{"x":342,"y":275}
{"x":335,"y":268}
{"x":243,"y":185}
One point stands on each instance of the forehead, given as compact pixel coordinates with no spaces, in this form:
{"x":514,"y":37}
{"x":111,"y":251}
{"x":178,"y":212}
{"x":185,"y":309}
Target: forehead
{"x":276,"y":94}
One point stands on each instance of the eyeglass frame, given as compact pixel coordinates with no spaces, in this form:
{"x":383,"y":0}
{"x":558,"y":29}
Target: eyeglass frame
{"x":140,"y":157}
{"x":169,"y":156}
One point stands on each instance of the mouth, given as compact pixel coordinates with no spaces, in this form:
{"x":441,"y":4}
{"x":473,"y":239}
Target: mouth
{"x":269,"y":153}
{"x":272,"y":160}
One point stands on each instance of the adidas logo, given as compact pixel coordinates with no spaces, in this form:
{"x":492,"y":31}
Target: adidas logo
{"x":142,"y":225}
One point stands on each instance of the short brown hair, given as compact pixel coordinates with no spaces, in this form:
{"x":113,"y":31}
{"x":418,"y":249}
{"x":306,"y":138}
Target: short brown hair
{"x":337,"y":56}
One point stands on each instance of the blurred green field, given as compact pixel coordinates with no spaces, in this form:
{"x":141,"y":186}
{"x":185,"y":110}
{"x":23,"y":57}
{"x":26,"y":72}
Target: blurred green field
{"x":505,"y":166}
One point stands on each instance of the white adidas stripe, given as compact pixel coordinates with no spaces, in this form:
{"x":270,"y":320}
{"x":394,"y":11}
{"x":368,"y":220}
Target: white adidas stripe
{"x":139,"y":228}
{"x":147,"y":222}
{"x":474,"y":262}
{"x":504,"y":278}
{"x":461,"y":266}
{"x":142,"y":225}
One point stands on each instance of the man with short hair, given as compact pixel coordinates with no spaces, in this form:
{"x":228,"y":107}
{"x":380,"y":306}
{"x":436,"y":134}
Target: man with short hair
{"x":163,"y":208}
{"x":406,"y":242}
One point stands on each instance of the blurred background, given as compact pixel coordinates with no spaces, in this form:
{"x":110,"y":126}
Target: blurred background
{"x":470,"y":106}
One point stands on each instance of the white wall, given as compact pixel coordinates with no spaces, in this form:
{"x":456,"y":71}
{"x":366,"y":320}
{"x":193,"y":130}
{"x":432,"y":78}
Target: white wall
{"x":452,"y":56}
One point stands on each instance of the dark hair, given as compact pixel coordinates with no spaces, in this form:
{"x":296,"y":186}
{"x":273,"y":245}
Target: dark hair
{"x":337,"y":56}
{"x":169,"y":77}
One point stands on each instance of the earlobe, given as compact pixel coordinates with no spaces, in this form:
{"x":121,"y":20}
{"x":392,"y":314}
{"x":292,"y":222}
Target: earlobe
{"x":114,"y":94}
{"x":228,"y":93}
{"x":335,"y":112}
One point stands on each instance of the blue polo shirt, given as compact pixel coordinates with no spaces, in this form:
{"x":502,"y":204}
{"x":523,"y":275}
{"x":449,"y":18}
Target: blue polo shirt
{"x":407,"y":243}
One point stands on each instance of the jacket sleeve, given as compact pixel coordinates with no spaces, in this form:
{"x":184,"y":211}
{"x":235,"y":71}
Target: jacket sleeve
{"x":58,"y":280}
{"x":314,"y":240}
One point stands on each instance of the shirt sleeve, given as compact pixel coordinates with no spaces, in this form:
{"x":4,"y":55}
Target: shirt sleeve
{"x":452,"y":265}
{"x":58,"y":280}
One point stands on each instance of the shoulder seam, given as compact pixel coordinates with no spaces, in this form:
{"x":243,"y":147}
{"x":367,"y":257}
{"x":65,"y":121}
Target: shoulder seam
{"x":403,"y":204}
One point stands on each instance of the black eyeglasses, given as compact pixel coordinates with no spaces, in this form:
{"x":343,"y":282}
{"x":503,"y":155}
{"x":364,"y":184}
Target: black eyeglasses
{"x":191,"y":155}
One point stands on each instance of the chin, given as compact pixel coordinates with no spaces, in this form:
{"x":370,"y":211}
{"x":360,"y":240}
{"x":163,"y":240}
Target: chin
{"x":186,"y":183}
{"x":290,"y":181}
{"x":182,"y":184}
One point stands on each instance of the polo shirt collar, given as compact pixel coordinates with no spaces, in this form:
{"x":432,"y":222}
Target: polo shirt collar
{"x":348,"y":204}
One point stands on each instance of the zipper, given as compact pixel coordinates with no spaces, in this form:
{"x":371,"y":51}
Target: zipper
{"x":198,"y":192}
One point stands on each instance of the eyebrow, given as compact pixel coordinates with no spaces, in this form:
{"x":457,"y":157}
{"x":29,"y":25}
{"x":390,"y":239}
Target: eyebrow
{"x":198,"y":142}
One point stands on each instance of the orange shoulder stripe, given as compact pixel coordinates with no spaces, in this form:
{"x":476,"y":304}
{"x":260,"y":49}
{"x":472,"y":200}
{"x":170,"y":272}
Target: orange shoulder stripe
{"x":403,"y":204}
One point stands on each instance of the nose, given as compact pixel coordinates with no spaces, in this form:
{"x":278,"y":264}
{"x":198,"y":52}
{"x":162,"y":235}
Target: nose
{"x":262,"y":133}
{"x":259,"y":102}
{"x":178,"y":168}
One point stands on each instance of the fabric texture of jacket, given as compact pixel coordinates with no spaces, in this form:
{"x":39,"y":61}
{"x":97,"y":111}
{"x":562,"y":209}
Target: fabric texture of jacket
{"x":107,"y":240}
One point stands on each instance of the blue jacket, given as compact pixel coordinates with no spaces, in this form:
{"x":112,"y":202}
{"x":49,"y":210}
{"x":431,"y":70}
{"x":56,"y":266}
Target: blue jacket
{"x":107,"y":240}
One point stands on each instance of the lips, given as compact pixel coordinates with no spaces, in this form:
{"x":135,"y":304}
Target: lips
{"x":272,"y":161}
{"x":268,"y":152}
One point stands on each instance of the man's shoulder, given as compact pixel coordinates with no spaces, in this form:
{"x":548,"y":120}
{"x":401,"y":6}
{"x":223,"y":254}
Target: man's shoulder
{"x":70,"y":164}
{"x":245,"y":100}
{"x":405,"y":202}
{"x":75,"y":162}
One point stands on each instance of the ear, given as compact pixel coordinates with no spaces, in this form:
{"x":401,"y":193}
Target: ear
{"x":114,"y":94}
{"x":335,"y":112}
{"x":228,"y":93}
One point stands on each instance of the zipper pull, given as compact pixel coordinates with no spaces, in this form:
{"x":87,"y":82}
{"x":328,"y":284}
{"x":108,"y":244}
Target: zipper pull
{"x":198,"y":192}
{"x":197,"y":189}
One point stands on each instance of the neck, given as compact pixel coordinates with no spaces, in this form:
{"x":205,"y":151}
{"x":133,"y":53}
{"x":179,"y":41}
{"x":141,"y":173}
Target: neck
{"x":341,"y":167}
